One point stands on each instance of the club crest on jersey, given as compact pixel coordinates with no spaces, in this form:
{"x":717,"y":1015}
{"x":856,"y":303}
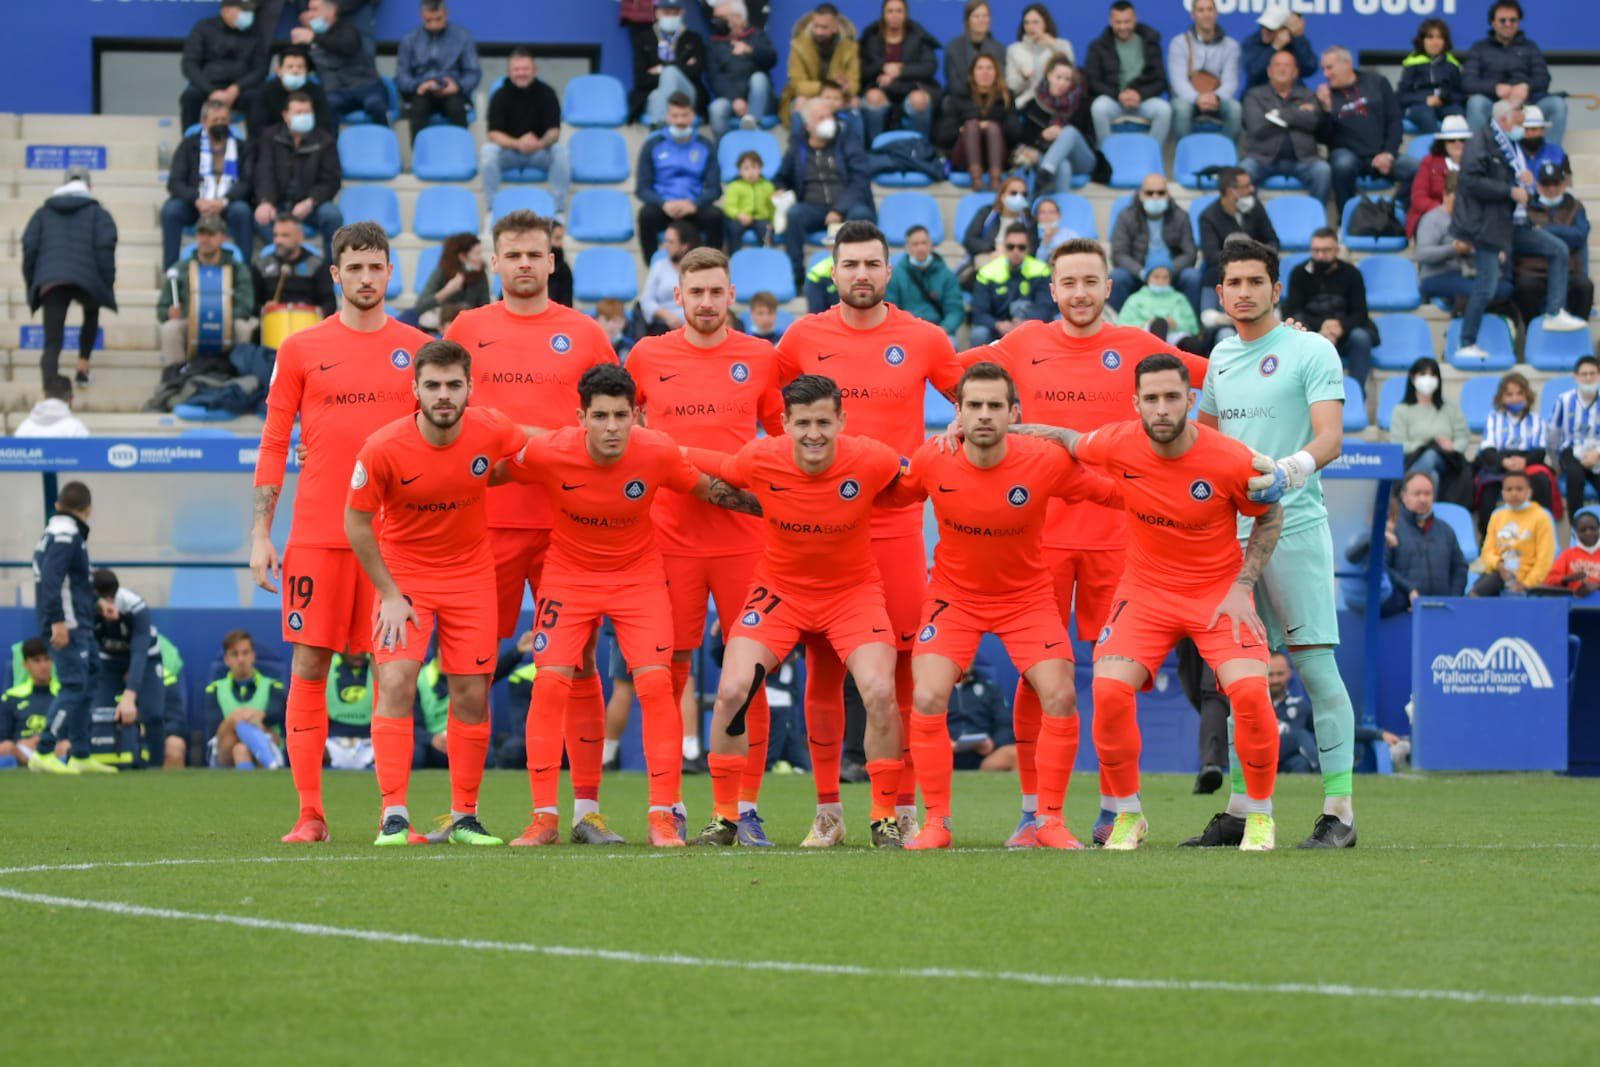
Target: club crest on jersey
{"x":739,"y":372}
{"x":894,"y":355}
{"x":633,"y":490}
{"x":1111,"y":359}
{"x":296,"y":621}
{"x":928,"y":632}
{"x":358,"y":477}
{"x":750,"y":618}
{"x":541,"y":641}
{"x":400,"y":358}
{"x":1105,"y":635}
{"x":1017,"y":495}
{"x":560,"y":343}
{"x":849,"y":489}
{"x":1269,"y":366}
{"x":1201,"y":489}
{"x":480,"y":466}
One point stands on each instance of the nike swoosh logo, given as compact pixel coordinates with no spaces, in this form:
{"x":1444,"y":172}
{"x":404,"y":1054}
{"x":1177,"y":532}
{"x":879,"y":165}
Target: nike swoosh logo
{"x":590,"y":740}
{"x":778,"y":488}
{"x":328,"y":366}
{"x":484,"y":659}
{"x":1125,"y":474}
{"x":658,"y":774}
{"x":830,"y":355}
{"x":1295,"y":629}
{"x":905,"y":637}
{"x":879,"y":630}
{"x":666,"y":377}
{"x":1330,"y":748}
{"x":943,"y":489}
{"x":661,"y":648}
{"x":408,"y":481}
{"x":579,"y":485}
{"x":303,"y":729}
{"x":1046,"y":359}
{"x":486,"y":344}
{"x":542,"y":770}
{"x":1052,"y":644}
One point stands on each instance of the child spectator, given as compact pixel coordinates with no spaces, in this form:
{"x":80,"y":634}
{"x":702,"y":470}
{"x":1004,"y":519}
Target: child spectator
{"x":1577,"y":569}
{"x":747,"y":202}
{"x":612,"y":315}
{"x":1160,"y":308}
{"x":764,"y":317}
{"x":1520,"y":546}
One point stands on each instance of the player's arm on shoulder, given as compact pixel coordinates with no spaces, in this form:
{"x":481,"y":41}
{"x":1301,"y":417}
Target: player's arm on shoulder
{"x":526,"y":464}
{"x":1067,"y":439}
{"x":908,"y":488}
{"x":732,"y":469}
{"x":1080,"y":483}
{"x":714,"y":490}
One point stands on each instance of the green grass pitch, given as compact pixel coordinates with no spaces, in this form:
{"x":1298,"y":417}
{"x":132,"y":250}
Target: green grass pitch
{"x":1464,"y":929}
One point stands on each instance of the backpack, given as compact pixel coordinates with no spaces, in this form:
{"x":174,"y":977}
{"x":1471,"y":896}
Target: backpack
{"x":907,"y":154}
{"x":1374,"y":217}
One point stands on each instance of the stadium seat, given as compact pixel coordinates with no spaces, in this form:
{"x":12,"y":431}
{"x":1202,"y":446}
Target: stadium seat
{"x":1355,"y":406}
{"x":1118,"y":206}
{"x":898,"y":179}
{"x":427,"y":259}
{"x":1284,"y":182}
{"x":1296,"y":218}
{"x":205,"y":587}
{"x":898,"y":212}
{"x":601,"y":273}
{"x":1391,"y":283}
{"x":206,"y":526}
{"x":594,"y":100}
{"x":1390,"y":393}
{"x":1132,"y":156}
{"x":371,"y":203}
{"x":1406,"y":338}
{"x":1547,"y":350}
{"x":444,"y":211}
{"x":1494,"y":336}
{"x":1550,"y":393}
{"x":1287,"y":264}
{"x":397,"y":281}
{"x":1369,"y":244}
{"x":1419,"y":146}
{"x":600,"y":216}
{"x":1477,"y":400}
{"x":1459,"y":519}
{"x":757,"y":269}
{"x":196,"y":413}
{"x":369,"y":153}
{"x":444,"y":154}
{"x":506,"y":201}
{"x":937,"y":412}
{"x":599,"y":157}
{"x":1198,"y":208}
{"x":1077,"y":214}
{"x":969,"y":207}
{"x":736,"y":143}
{"x":1198,"y":151}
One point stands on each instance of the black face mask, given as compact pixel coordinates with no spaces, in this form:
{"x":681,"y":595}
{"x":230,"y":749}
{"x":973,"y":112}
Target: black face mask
{"x":1322,"y":268}
{"x":720,"y":27}
{"x":218,"y":131}
{"x":1532,"y":145}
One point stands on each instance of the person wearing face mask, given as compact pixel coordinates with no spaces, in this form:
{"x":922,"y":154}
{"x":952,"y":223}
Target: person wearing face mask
{"x":223,"y":58}
{"x":297,"y":170}
{"x":343,"y":58}
{"x":676,"y":179}
{"x":1575,"y":432}
{"x":294,"y":76}
{"x":985,"y":236}
{"x":1519,"y":544}
{"x":210,"y":177}
{"x":1561,"y":215}
{"x":1433,"y":432}
{"x":922,"y":285}
{"x":1537,"y":147}
{"x":1514,"y":442}
{"x":1577,"y":569}
{"x":1328,"y":295}
{"x":827,"y":172}
{"x":669,"y":58}
{"x":1160,"y":308}
{"x":457,"y":283}
{"x":1011,"y":289}
{"x":1152,"y":232}
{"x":1237,"y":209}
{"x":823,"y":47}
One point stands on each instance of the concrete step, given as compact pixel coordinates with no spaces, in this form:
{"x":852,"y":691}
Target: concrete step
{"x":120,"y":331}
{"x":98,"y":129}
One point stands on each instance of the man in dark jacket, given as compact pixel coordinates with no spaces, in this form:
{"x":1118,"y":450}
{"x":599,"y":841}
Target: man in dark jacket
{"x":1282,"y":119}
{"x":1506,"y":65}
{"x":69,"y":255}
{"x":741,"y":56}
{"x":1011,"y":289}
{"x":1560,"y":214}
{"x":1363,"y":128}
{"x":908,"y":86}
{"x":676,"y":177}
{"x":1421,"y":553}
{"x":437,"y":69}
{"x":209,"y":177}
{"x":1237,"y":209}
{"x":668,"y":59}
{"x":64,"y":601}
{"x":287,"y":272}
{"x":223,"y":57}
{"x":1329,"y":296}
{"x":297,"y":171}
{"x":1153,"y":232}
{"x":828,"y":175}
{"x":294,"y":76}
{"x":1127,"y":74}
{"x":1277,"y":30}
{"x":349,"y":76}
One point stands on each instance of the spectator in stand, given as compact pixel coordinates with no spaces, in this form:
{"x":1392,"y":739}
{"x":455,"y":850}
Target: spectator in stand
{"x":741,"y":59}
{"x":1443,"y":158}
{"x":1536,"y":149}
{"x":1011,"y":289}
{"x":669,"y":60}
{"x":1507,"y":66}
{"x":294,"y":76}
{"x":1153,"y":232}
{"x":1514,"y":442}
{"x":1049,"y":228}
{"x":975,"y":40}
{"x":1158,"y":307}
{"x":1127,"y":76}
{"x":456,"y":284}
{"x":1203,"y":67}
{"x":1277,"y":30}
{"x":173,"y":304}
{"x":1281,"y":121}
{"x":287,"y":272}
{"x":1432,"y":431}
{"x":979,"y":127}
{"x":1364,"y":128}
{"x":209,"y":178}
{"x":1054,"y":128}
{"x":69,"y":256}
{"x":820,"y":291}
{"x":981,"y":735}
{"x":1422,"y":555}
{"x":24,"y":712}
{"x":827,"y":173}
{"x":437,"y":69}
{"x":676,"y":179}
{"x":1328,"y":295}
{"x":1029,"y":57}
{"x":1561,"y":215}
{"x":822,"y":48}
{"x":128,"y":676}
{"x":343,"y":61}
{"x":524,"y":130}
{"x":560,"y":284}
{"x":899,"y":65}
{"x":223,"y":59}
{"x":1430,"y":78}
{"x":52,"y":416}
{"x":1577,"y":569}
{"x":612,"y":315}
{"x":658,"y":301}
{"x":986,"y":234}
{"x":1519,"y":546}
{"x":764,"y":317}
{"x":1575,"y":433}
{"x":1445,"y":262}
{"x":297,"y":170}
{"x":747,"y":203}
{"x":922,"y":285}
{"x":1237,"y":209}
{"x":244,"y":708}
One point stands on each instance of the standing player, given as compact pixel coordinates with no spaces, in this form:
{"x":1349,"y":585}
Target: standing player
{"x":344,"y":378}
{"x":1281,"y":391}
{"x":528,"y":353}
{"x":1076,"y":372}
{"x":990,"y":496}
{"x":883,"y":360}
{"x":603,"y":476}
{"x":1184,"y":488}
{"x":710,"y":387}
{"x":428,"y":474}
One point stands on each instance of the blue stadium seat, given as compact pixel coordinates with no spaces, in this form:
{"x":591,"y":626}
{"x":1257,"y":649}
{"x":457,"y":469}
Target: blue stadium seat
{"x":736,"y":143}
{"x":396,"y":280}
{"x":427,"y":259}
{"x":444,"y":154}
{"x":1132,"y":156}
{"x":1369,"y":244}
{"x":937,"y":412}
{"x":1077,"y":214}
{"x":600,"y":216}
{"x":1198,"y":151}
{"x":1550,"y":393}
{"x":1287,"y":264}
{"x":594,"y":100}
{"x":371,"y":203}
{"x":898,"y":212}
{"x":969,"y":207}
{"x":599,"y":157}
{"x":369,"y":153}
{"x":1198,"y":208}
{"x":205,"y":587}
{"x":1477,"y":400}
{"x":444,"y":211}
{"x":1118,"y":206}
{"x":1355,"y":406}
{"x":899,"y":179}
{"x":1390,"y":394}
{"x":1406,"y":339}
{"x":196,"y":413}
{"x":1494,"y":336}
{"x":1419,"y":146}
{"x":1391,"y":283}
{"x":1285,"y":182}
{"x":522,"y":199}
{"x":1548,"y":350}
{"x":203,"y":526}
{"x":757,"y":269}
{"x":1459,"y":519}
{"x":601,"y":273}
{"x":1296,"y":218}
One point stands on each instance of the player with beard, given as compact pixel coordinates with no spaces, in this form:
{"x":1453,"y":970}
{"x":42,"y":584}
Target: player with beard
{"x":343,"y":379}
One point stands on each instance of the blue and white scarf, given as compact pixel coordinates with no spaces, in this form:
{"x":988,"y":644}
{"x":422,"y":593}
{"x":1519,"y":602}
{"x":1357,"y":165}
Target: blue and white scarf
{"x":214,"y":186}
{"x":1518,"y":164}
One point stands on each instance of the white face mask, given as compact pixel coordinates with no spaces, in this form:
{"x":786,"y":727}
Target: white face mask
{"x":1587,"y":390}
{"x":1519,"y":507}
{"x":1155,"y":207}
{"x":303,"y":122}
{"x":670,"y":24}
{"x":1246,"y":204}
{"x":827,"y":130}
{"x":1425,"y":384}
{"x":681,"y":133}
{"x":1015,"y":203}
{"x":293,"y":82}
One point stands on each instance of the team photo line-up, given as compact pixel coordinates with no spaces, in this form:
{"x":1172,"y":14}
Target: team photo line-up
{"x":441,"y":477}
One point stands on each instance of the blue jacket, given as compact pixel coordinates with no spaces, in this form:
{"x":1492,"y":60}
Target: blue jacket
{"x":1422,"y":76}
{"x":130,"y":640}
{"x":855,"y":187}
{"x":61,"y":589}
{"x":677,"y":170}
{"x":1256,"y":54}
{"x":1491,"y":63}
{"x":1429,"y":562}
{"x":450,"y":54}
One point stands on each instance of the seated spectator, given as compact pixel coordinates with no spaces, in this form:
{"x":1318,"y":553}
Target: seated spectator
{"x":676,"y":178}
{"x":524,"y":130}
{"x":1577,"y":569}
{"x":1153,"y":232}
{"x":1277,"y":30}
{"x":1127,"y":76}
{"x":560,"y":284}
{"x":764,"y":317}
{"x":1430,"y":78}
{"x":294,"y":76}
{"x":658,"y":300}
{"x":1051,"y":128}
{"x":1445,"y":263}
{"x":1506,"y":65}
{"x":820,"y":291}
{"x":1328,"y":295}
{"x":1203,"y":67}
{"x":1364,"y":128}
{"x":1237,"y":209}
{"x":209,"y":178}
{"x":899,"y":64}
{"x":980,"y":725}
{"x":52,"y":416}
{"x":1011,"y":289}
{"x":25,"y":713}
{"x":924,"y":286}
{"x":244,"y":710}
{"x":1297,"y":739}
{"x":979,"y":127}
{"x":344,"y":63}
{"x":69,"y":256}
{"x":1049,"y":228}
{"x":986,"y":234}
{"x":612,"y":315}
{"x":1281,"y":122}
{"x":1443,"y":158}
{"x":176,"y":306}
{"x":1421,"y":555}
{"x":1536,"y":148}
{"x":1519,"y":546}
{"x":1513,"y":443}
{"x":747,"y":203}
{"x":349,"y":697}
{"x":458,"y":282}
{"x":822,"y":48}
{"x":669,"y":60}
{"x":437,"y":69}
{"x":828,"y":175}
{"x":1432,"y":431}
{"x":1561,"y":215}
{"x":287,"y":272}
{"x":741,"y":59}
{"x":1575,"y":433}
{"x":297,"y":170}
{"x":975,"y":40}
{"x":1160,"y":308}
{"x":224,"y":58}
{"x":128,"y":676}
{"x":1029,"y":58}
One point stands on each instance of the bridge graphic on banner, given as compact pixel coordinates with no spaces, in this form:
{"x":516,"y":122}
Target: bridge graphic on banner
{"x":1506,"y":666}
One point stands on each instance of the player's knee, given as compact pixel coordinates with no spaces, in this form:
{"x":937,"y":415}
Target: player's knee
{"x":878,"y":695}
{"x":930,"y":700}
{"x":1059,"y":700}
{"x":311,"y":663}
{"x":730,"y":694}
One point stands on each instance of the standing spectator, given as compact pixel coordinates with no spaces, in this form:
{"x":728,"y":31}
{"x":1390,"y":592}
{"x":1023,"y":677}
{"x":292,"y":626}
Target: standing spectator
{"x":560,"y":284}
{"x":1328,"y":295}
{"x":747,"y":203}
{"x":223,"y":59}
{"x":1431,"y":430}
{"x":1430,"y":78}
{"x":437,"y":69}
{"x":1054,"y":130}
{"x":1443,"y":158}
{"x":1364,"y":128}
{"x":287,"y":272}
{"x":676,"y":178}
{"x":822,"y":48}
{"x":456,"y":284}
{"x":1519,"y":545}
{"x":1575,"y":433}
{"x":1127,"y":75}
{"x":981,"y":734}
{"x":1444,"y":261}
{"x":1281,"y":121}
{"x":175,"y":302}
{"x":524,"y":130}
{"x":1011,"y":289}
{"x":243,"y":707}
{"x":1277,"y":30}
{"x":1507,"y":66}
{"x":294,"y":76}
{"x":986,"y":233}
{"x":1536,"y":149}
{"x":764,"y":317}
{"x":64,"y":603}
{"x":129,"y":675}
{"x":52,"y":416}
{"x":1203,"y":66}
{"x":975,"y":40}
{"x":24,"y":712}
{"x":1029,"y":57}
{"x":924,"y":286}
{"x":1561,"y":215}
{"x":1158,"y":307}
{"x":1513,"y":443}
{"x":209,"y":178}
{"x":668,"y":61}
{"x":979,"y":127}
{"x":899,"y":66}
{"x":741,"y":57}
{"x":1421,"y":553}
{"x":344,"y":63}
{"x":1153,"y":232}
{"x":297,"y":170}
{"x":1237,"y":209}
{"x":828,"y":175}
{"x":1577,"y":569}
{"x":69,"y":255}
{"x":658,"y":300}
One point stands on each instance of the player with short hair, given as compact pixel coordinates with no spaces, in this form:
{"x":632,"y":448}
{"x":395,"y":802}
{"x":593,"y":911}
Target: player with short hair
{"x":428,"y":474}
{"x":344,"y":379}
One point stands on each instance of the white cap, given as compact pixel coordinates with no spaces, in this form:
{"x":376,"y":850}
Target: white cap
{"x":1275,"y":17}
{"x":1532,"y":116}
{"x":1453,"y":128}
